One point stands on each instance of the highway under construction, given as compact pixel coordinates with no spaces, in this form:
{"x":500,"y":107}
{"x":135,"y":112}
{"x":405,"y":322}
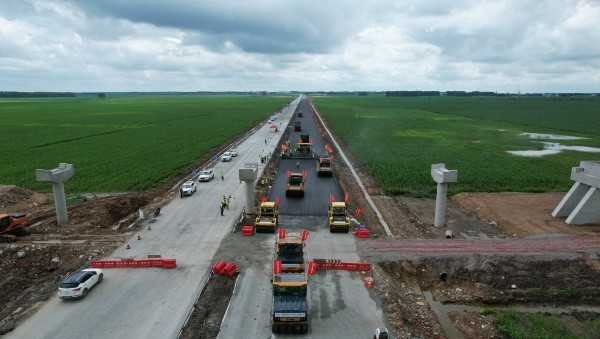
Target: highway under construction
{"x":216,"y":277}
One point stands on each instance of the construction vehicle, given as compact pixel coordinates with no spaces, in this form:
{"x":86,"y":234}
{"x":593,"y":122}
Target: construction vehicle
{"x":290,"y":251}
{"x":324,"y":167}
{"x":295,"y":184}
{"x":297,"y":126}
{"x":304,"y":146}
{"x":12,"y":225}
{"x":268,"y":217}
{"x":289,"y":313}
{"x":339,"y":221}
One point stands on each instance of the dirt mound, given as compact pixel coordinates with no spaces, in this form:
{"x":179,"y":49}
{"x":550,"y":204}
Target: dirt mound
{"x":521,"y":214}
{"x":11,"y":195}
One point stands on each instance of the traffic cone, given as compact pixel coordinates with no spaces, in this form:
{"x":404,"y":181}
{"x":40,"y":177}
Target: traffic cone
{"x":128,"y":247}
{"x":139,"y":237}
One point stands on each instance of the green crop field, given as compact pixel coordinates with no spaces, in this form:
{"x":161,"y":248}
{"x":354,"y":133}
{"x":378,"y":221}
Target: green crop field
{"x":397,"y":140}
{"x":122,"y":143}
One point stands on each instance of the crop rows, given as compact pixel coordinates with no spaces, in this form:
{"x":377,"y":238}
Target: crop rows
{"x":120,"y":144}
{"x":398,"y":139}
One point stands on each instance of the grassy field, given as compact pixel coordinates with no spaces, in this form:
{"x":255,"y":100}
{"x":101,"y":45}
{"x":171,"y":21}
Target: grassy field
{"x":516,"y":325}
{"x":120,"y":144}
{"x":398,"y":139}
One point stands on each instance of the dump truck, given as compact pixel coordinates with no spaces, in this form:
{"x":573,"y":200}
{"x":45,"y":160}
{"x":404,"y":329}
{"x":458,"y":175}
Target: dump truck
{"x":295,"y":185}
{"x":339,"y":221}
{"x":13,"y":225}
{"x":297,"y":126}
{"x":289,"y":313}
{"x":290,"y":251}
{"x":268,"y":217}
{"x":324,"y":167}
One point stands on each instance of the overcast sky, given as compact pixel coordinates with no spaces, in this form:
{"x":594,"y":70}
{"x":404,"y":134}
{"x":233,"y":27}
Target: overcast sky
{"x":307,"y":45}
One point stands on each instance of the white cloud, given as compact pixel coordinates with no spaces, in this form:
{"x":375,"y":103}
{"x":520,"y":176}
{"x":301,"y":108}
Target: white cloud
{"x":135,"y":45}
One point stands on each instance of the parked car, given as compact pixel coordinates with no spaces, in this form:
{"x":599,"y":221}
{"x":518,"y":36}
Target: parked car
{"x":78,"y":284}
{"x":381,"y":333}
{"x":226,"y":156}
{"x":233,"y":152}
{"x":188,"y":188}
{"x":206,"y":175}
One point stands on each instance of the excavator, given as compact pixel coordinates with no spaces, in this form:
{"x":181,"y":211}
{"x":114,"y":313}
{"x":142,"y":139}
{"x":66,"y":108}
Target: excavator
{"x":268,"y":217}
{"x":290,"y":251}
{"x":12,"y":225}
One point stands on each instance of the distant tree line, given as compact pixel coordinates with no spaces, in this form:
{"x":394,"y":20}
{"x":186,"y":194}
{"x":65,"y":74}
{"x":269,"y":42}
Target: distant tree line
{"x":438,"y":93}
{"x":36,"y":94}
{"x":412,"y":93}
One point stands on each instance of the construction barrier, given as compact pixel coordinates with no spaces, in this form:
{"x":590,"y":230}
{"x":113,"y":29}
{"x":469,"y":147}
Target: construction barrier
{"x":248,"y":230}
{"x":134,"y":263}
{"x":218,"y":267}
{"x":226,"y":269}
{"x":332,"y":264}
{"x":362,"y":233}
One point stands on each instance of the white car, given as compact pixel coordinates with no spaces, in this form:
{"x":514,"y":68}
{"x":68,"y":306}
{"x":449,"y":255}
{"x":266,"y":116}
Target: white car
{"x":188,"y":188}
{"x":206,"y":175}
{"x":78,"y":284}
{"x":233,"y":152}
{"x":226,"y":156}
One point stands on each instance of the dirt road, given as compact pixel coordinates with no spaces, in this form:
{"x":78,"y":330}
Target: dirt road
{"x":549,"y":246}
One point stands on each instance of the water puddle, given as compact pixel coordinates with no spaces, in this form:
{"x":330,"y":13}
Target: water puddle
{"x":441,"y":311}
{"x":552,"y":147}
{"x":551,"y":136}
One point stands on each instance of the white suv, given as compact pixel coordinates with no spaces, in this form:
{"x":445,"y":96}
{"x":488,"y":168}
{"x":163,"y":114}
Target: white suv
{"x":206,"y":175}
{"x":78,"y":284}
{"x":226,"y":156}
{"x":188,"y":188}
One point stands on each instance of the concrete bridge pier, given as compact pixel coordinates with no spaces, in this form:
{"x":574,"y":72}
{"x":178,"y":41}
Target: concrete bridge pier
{"x":57,"y":177}
{"x":443,"y":177}
{"x":248,"y":175}
{"x":581,"y":205}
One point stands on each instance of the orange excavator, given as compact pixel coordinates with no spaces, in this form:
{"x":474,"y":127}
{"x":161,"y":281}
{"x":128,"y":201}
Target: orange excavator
{"x":12,"y":225}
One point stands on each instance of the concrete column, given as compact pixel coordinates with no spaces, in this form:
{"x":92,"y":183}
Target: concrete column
{"x":440,"y":205}
{"x":57,"y":177}
{"x":60,"y":202}
{"x":442,"y":176}
{"x":248,"y":176}
{"x":249,"y":210}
